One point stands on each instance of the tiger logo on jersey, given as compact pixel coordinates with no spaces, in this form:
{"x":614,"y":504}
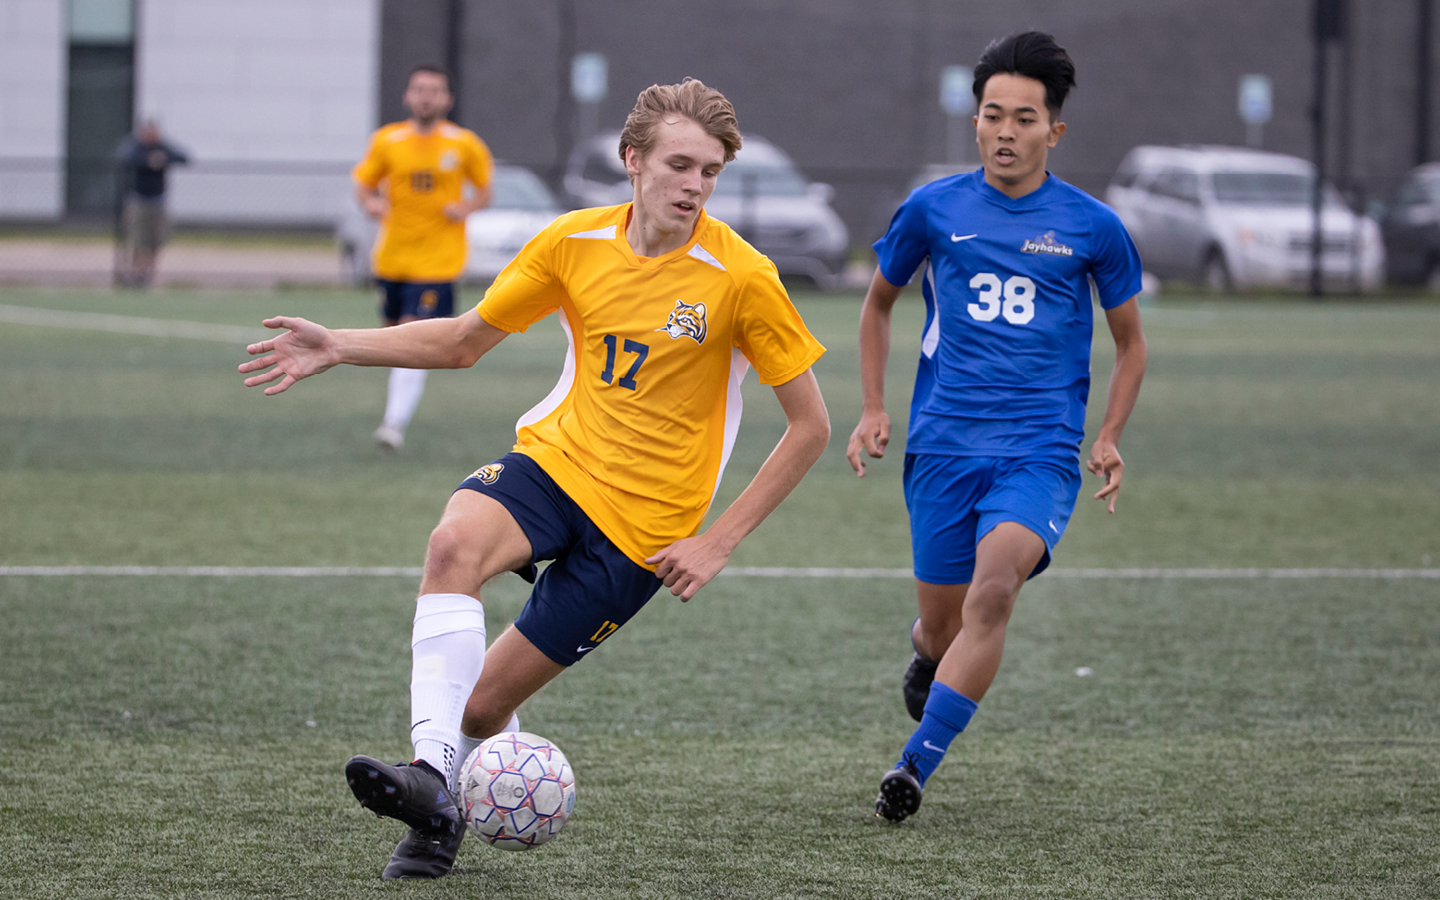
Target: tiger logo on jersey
{"x":488,"y":474}
{"x":686,"y":320}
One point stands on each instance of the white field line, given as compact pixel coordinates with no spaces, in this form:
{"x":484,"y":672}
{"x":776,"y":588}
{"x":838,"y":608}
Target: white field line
{"x":200,"y":331}
{"x":750,"y":571}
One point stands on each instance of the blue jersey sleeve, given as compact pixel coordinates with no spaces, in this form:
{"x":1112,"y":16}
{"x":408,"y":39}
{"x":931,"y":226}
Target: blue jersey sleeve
{"x":905,"y":245}
{"x":1116,"y":264}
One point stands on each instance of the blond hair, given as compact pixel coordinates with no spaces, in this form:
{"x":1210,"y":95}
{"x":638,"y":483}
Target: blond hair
{"x":690,"y":99}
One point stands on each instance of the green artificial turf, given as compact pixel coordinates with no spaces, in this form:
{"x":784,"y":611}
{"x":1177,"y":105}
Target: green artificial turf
{"x":1238,"y":737}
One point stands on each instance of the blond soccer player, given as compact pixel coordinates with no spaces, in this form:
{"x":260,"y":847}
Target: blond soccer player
{"x":612,"y":473}
{"x":413,"y":181}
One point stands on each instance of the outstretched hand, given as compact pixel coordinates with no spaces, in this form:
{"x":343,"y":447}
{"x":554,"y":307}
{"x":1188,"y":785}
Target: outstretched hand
{"x":305,"y":349}
{"x":1105,"y":462}
{"x":870,"y":435}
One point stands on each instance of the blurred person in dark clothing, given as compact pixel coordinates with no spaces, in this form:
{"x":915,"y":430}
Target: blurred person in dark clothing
{"x":143,"y":159}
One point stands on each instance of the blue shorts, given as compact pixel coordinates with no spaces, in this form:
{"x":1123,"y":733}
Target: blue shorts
{"x":416,"y":299}
{"x":590,"y":589}
{"x":954,"y":501}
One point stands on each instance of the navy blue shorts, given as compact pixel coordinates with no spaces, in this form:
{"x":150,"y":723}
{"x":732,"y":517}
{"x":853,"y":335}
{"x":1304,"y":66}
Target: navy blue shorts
{"x":954,"y":501}
{"x":416,"y":299}
{"x":590,"y":589}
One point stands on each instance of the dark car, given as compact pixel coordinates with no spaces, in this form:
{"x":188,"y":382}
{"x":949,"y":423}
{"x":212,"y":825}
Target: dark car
{"x":1412,"y":230}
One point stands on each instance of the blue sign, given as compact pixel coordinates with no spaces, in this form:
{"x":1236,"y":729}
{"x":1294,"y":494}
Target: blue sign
{"x":957,"y":96}
{"x":1255,"y":103}
{"x":588,"y":77}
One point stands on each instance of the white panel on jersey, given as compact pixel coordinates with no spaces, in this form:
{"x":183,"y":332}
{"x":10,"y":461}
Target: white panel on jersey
{"x":705,"y":256}
{"x":734,"y":406}
{"x":562,"y":387}
{"x":600,"y":234}
{"x":931,"y":341}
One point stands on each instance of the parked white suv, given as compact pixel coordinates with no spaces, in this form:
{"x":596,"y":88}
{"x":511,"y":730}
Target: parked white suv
{"x":1228,"y":217}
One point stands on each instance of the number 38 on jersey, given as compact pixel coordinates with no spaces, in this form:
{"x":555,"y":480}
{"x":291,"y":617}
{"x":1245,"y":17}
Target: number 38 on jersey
{"x":1014,"y":299}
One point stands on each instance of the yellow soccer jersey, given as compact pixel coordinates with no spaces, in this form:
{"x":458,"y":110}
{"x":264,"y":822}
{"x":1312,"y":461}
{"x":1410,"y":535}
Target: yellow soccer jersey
{"x":641,"y":424}
{"x":423,"y":173}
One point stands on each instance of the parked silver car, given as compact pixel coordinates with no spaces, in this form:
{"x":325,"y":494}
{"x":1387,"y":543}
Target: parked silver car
{"x":520,"y":208}
{"x":1228,"y":217}
{"x":760,"y":194}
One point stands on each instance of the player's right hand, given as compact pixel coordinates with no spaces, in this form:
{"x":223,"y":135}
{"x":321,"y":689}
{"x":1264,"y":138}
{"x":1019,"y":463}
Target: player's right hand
{"x":305,"y":349}
{"x":871,"y":435}
{"x":376,"y":207}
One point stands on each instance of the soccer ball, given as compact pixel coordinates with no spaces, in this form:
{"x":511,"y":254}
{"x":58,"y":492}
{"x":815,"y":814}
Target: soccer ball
{"x":518,"y":790}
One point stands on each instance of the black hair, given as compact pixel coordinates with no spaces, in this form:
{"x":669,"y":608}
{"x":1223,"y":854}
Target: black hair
{"x":433,"y":68}
{"x":1032,"y":54}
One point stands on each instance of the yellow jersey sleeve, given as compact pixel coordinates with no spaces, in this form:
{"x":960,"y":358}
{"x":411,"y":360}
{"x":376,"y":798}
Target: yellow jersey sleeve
{"x":372,"y":167}
{"x":526,"y":290}
{"x":479,"y":165}
{"x":769,"y":331}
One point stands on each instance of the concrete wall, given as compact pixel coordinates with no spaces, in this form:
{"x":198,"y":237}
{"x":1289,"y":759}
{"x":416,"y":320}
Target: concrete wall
{"x":850,"y":87}
{"x":32,"y":108}
{"x":272,"y":99}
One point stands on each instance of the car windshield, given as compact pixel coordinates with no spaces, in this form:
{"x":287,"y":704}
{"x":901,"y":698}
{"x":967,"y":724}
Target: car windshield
{"x":519,"y":189}
{"x":1269,"y":189}
{"x":765,"y":181}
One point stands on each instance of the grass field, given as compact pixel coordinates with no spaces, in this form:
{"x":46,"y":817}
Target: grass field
{"x":1241,"y":737}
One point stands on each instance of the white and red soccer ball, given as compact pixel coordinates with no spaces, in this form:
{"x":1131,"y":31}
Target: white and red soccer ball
{"x":518,"y":790}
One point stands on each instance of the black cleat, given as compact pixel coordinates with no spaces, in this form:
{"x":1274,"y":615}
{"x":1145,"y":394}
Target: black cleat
{"x":916,"y":685}
{"x":417,"y":795}
{"x":899,"y":793}
{"x":423,"y":854}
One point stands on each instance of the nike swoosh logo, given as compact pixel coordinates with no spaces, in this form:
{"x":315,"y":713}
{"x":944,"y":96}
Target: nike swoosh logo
{"x":418,"y":724}
{"x":584,"y":649}
{"x":962,"y":237}
{"x":929,"y":746}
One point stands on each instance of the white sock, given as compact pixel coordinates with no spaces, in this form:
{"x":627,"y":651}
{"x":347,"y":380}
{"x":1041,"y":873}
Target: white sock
{"x":448,"y":651}
{"x":468,"y":745}
{"x":406,"y":386}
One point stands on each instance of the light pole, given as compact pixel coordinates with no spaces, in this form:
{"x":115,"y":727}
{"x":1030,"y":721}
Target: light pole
{"x":1330,"y":16}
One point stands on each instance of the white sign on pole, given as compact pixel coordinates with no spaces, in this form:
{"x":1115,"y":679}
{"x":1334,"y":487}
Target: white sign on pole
{"x":1255,"y":101}
{"x":588,"y":77}
{"x":957,"y":97}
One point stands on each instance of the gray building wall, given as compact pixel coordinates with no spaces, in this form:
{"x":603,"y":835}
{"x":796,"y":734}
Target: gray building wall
{"x":32,"y":109}
{"x":850,"y":87}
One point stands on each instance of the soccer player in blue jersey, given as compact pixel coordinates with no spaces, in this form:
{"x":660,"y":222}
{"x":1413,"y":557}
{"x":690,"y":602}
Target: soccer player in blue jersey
{"x":1006,"y":255}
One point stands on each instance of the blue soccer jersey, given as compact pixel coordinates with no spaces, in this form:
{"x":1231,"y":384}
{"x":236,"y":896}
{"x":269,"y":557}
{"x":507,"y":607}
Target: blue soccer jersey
{"x":1005,"y":357}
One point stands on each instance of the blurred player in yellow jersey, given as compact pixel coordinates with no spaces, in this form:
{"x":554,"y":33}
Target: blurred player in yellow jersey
{"x":413,"y":180}
{"x":665,"y":309}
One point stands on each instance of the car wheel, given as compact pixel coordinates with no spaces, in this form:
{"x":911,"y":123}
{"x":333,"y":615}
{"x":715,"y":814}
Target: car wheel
{"x":1215,"y":274}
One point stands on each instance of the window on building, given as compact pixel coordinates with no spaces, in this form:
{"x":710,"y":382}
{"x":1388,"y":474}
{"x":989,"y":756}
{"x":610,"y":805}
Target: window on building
{"x":100,"y":102}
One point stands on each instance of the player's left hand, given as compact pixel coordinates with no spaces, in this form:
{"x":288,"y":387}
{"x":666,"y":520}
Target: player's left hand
{"x":1105,"y":462}
{"x":688,"y":564}
{"x":455,"y":212}
{"x":871,"y":435}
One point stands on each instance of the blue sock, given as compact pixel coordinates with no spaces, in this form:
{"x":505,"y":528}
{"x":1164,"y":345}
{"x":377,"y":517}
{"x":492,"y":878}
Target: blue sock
{"x":947,"y":712}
